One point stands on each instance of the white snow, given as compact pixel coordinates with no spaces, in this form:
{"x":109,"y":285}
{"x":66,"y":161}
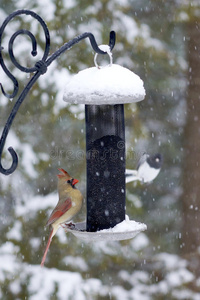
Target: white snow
{"x":35,"y":204}
{"x":77,"y":262}
{"x":104,"y":48}
{"x":179,"y":277}
{"x":35,"y":243}
{"x":42,"y":283}
{"x":111,"y":84}
{"x":140,"y":242}
{"x":134,"y":199}
{"x":9,"y":263}
{"x":48,"y":7}
{"x":122,"y":23}
{"x":15,"y":232}
{"x":126,"y":225}
{"x":171,"y":261}
{"x":61,"y":77}
{"x":15,"y":286}
{"x":134,"y":278}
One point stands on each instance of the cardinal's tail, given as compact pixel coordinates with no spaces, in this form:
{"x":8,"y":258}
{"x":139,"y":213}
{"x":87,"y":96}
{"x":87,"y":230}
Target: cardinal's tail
{"x":47,"y":247}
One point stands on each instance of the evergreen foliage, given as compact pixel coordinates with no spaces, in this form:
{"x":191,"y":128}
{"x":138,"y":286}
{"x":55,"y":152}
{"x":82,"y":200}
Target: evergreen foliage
{"x":152,"y":41}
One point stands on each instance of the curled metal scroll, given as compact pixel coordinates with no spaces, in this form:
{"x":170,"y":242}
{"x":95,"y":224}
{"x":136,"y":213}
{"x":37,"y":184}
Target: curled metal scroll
{"x":39,"y":68}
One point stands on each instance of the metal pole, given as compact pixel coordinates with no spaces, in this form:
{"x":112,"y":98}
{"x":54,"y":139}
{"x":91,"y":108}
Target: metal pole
{"x":105,"y":148}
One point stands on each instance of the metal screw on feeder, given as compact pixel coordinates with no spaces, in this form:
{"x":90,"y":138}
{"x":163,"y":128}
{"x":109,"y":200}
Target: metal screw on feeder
{"x":104,"y":90}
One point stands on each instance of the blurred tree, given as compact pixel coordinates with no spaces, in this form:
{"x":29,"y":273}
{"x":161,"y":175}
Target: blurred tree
{"x":191,"y":171}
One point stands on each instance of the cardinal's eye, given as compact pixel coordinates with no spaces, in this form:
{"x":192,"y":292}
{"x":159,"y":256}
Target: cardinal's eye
{"x":68,"y":181}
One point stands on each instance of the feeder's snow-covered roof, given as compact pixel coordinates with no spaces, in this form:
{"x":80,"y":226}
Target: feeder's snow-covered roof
{"x":112,"y":84}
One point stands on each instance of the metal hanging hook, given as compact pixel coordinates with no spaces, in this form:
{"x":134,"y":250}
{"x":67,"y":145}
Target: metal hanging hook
{"x":39,"y":69}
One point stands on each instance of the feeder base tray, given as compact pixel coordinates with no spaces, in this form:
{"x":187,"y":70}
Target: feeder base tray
{"x":123,"y":231}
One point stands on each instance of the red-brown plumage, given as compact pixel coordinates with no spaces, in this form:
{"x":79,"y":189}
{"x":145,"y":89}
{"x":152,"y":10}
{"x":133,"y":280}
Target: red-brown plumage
{"x":59,"y":210}
{"x":63,"y":173}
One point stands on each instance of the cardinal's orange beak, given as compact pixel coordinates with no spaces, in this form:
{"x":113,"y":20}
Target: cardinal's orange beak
{"x":75,"y":181}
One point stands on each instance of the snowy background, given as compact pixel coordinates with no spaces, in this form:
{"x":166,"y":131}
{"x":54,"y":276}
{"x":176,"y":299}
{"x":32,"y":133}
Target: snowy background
{"x":159,"y":41}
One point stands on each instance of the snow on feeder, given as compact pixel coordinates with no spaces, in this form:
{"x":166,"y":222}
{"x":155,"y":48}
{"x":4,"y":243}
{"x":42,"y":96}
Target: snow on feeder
{"x":104,"y":90}
{"x":111,"y":84}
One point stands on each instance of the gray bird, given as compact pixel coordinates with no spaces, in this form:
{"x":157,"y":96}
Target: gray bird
{"x":148,"y":168}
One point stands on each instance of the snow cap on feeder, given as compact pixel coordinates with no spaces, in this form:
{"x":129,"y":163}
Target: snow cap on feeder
{"x":111,"y":84}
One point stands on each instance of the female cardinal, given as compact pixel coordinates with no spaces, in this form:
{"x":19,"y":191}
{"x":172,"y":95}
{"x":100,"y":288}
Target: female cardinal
{"x":69,"y":204}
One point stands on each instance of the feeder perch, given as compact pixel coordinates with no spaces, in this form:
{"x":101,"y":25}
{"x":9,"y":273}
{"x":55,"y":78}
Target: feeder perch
{"x":104,"y":90}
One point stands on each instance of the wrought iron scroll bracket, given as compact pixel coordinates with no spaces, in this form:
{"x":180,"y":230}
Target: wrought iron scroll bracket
{"x":40,"y":68}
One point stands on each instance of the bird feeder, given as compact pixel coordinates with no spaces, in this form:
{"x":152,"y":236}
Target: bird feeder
{"x":104,"y":91}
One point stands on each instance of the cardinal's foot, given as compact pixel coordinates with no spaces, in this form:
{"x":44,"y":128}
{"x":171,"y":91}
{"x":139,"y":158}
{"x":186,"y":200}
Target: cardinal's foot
{"x":70,"y":225}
